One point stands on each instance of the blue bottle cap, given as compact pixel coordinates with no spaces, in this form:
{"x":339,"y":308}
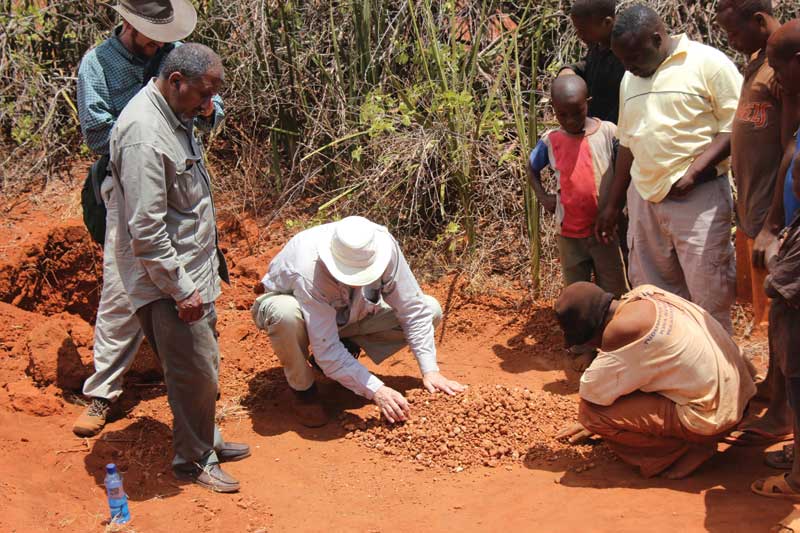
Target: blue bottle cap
{"x":111,"y":468}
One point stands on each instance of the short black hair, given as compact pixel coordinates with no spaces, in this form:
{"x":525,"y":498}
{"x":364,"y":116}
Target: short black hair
{"x":192,"y":60}
{"x":636,"y":19}
{"x":746,"y":8}
{"x":593,"y":8}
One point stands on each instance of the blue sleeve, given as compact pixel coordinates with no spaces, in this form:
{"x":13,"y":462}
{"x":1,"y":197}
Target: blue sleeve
{"x":539,"y":158}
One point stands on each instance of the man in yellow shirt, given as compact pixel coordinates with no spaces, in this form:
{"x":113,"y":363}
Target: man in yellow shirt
{"x":677,"y":105}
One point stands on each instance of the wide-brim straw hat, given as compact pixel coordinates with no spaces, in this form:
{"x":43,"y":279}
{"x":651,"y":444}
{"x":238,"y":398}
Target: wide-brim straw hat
{"x":356,"y":251}
{"x":165,"y":21}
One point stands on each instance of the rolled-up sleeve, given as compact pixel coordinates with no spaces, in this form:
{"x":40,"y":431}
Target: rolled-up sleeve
{"x":94,"y":109}
{"x":404,"y":296}
{"x":725,"y":87}
{"x":141,"y":169}
{"x":329,"y":352}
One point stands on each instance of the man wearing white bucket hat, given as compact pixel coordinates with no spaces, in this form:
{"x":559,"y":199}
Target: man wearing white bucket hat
{"x":109,"y":76}
{"x":338,"y":288}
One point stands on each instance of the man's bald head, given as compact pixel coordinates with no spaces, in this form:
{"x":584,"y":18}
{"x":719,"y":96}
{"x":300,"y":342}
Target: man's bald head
{"x":640,"y":40}
{"x":783,"y":51}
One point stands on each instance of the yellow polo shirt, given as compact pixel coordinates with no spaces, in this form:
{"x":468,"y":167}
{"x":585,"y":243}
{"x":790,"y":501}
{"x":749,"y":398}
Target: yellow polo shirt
{"x":670,"y":118}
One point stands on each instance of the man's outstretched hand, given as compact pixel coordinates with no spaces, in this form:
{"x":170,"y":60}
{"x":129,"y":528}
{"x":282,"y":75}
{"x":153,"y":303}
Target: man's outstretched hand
{"x":575,"y":433}
{"x":435,"y":382}
{"x":392,"y":404}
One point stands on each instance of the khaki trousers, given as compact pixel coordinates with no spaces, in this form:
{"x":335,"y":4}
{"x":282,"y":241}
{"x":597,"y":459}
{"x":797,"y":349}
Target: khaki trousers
{"x":380,"y":335}
{"x":580,"y":258}
{"x":117,"y":333}
{"x":684,"y":246}
{"x":643,"y":429}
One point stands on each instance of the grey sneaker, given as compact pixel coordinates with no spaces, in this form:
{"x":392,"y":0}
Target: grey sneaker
{"x":211,"y":477}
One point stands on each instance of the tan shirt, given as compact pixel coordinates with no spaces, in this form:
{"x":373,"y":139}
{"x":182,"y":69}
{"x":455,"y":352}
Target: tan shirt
{"x":756,"y":149}
{"x":167,"y":239}
{"x":670,"y":118}
{"x":687,"y":357}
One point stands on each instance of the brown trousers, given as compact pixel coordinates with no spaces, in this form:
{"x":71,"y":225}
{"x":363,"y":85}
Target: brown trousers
{"x":750,"y":280}
{"x":643,"y":429}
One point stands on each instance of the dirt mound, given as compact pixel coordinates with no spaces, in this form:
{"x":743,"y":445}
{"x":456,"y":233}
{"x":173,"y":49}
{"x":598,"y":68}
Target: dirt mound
{"x":23,"y":396}
{"x":53,"y":358}
{"x":486,"y":425}
{"x":63,"y":274}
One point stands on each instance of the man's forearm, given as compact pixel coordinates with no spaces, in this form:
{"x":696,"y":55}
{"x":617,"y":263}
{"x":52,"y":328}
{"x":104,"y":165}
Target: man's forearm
{"x":622,"y":179}
{"x":717,"y":152}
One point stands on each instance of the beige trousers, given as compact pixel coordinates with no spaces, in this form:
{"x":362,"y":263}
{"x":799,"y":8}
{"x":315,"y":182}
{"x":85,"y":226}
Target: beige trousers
{"x":379,"y":335}
{"x":684,"y":246}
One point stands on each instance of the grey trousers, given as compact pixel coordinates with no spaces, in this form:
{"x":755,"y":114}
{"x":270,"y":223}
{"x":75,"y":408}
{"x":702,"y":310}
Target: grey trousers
{"x":380,"y":335}
{"x":684,"y":246}
{"x":189,"y":355}
{"x":117,"y":333}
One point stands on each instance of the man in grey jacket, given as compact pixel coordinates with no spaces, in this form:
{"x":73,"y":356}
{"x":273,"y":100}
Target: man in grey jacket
{"x":341,"y":287}
{"x":167,"y":252}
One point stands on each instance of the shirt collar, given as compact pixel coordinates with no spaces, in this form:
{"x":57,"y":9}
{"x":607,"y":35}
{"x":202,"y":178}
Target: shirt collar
{"x":119,"y":48}
{"x":161,"y":103}
{"x":682,"y":47}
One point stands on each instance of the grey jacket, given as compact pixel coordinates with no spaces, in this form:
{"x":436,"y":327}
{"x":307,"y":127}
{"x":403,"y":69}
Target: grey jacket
{"x":167,"y":244}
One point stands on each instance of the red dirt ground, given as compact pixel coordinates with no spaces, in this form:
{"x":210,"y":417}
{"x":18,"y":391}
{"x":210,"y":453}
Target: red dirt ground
{"x":501,"y":471}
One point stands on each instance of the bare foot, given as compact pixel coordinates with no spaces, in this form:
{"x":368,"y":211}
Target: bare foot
{"x":691,"y":461}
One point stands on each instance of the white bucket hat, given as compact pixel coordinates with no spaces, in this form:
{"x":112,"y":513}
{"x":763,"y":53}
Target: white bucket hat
{"x":356,"y":251}
{"x":164,"y":21}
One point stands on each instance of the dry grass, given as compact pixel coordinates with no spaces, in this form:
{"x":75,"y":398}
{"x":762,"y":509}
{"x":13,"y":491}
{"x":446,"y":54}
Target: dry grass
{"x":412,"y":112}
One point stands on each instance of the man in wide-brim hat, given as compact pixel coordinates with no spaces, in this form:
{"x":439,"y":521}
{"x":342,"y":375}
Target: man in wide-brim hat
{"x":109,"y":76}
{"x":339,"y":288}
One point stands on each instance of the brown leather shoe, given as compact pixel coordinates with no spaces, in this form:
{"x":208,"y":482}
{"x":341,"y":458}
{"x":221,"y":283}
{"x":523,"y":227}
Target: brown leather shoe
{"x":307,"y":407}
{"x":93,"y":419}
{"x":232,"y":451}
{"x":211,"y":477}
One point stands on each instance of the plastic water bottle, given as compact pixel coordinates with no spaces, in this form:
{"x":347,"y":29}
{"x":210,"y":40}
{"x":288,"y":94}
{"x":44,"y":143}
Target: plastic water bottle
{"x":117,"y":499}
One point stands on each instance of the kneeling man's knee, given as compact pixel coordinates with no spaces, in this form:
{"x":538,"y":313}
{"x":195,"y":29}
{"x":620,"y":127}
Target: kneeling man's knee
{"x":277,"y":311}
{"x":436,"y":309}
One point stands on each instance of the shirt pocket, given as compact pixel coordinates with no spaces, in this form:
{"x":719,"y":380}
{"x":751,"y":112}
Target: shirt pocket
{"x":187,"y":190}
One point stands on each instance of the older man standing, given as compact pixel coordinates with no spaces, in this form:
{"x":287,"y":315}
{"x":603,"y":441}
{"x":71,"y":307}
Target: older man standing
{"x":109,"y":76}
{"x":677,"y":105}
{"x":167,"y":253}
{"x":668,"y":383}
{"x":340,"y":287}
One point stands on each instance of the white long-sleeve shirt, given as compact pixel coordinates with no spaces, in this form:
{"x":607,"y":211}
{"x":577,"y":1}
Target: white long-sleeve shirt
{"x":328,"y":305}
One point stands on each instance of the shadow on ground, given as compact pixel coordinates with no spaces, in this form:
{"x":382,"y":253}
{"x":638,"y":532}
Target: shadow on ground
{"x":143,"y":453}
{"x":268,"y":402}
{"x":724,"y":480}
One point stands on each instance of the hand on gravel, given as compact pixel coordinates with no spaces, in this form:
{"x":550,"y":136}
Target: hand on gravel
{"x":435,"y":382}
{"x":392,"y":404}
{"x":575,"y":433}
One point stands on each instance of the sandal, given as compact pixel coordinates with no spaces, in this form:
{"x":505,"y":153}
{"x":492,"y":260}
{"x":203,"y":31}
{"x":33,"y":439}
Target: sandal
{"x":775,"y":487}
{"x":755,"y":437}
{"x":781,"y":459}
{"x":789,"y":524}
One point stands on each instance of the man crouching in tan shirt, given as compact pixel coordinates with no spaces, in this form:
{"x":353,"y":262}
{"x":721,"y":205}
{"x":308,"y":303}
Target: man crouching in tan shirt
{"x":668,"y":382}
